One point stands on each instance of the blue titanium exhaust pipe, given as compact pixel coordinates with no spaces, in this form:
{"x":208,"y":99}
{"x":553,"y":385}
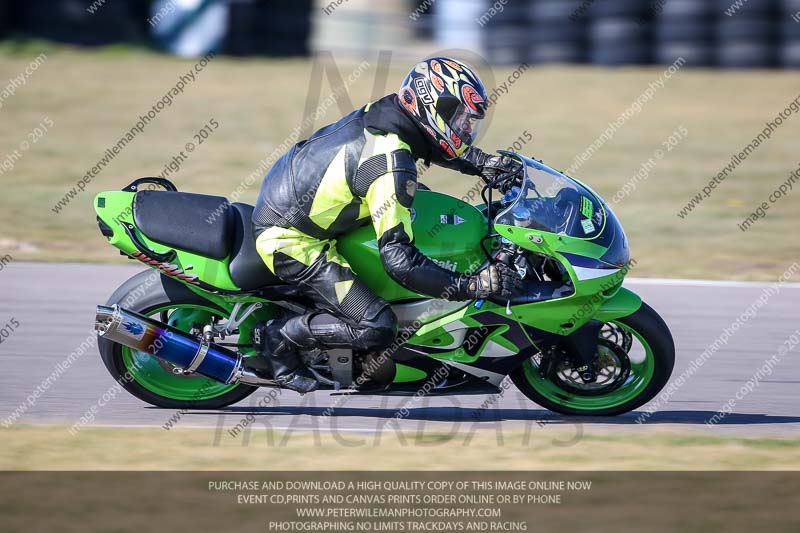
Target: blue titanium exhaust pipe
{"x":188,"y":354}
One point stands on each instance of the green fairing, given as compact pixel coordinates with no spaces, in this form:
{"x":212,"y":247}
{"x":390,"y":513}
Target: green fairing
{"x":407,"y":374}
{"x":450,"y":232}
{"x":118,"y":208}
{"x":623,"y":304}
{"x":439,"y":237}
{"x":435,"y":335}
{"x":445,"y":229}
{"x":589,"y":296}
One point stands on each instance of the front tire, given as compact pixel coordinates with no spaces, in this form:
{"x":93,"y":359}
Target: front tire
{"x":148,"y":378}
{"x":646,"y":379}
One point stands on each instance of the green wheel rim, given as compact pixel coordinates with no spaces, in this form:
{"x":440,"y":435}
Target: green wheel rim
{"x":640,"y":377}
{"x":157,"y":377}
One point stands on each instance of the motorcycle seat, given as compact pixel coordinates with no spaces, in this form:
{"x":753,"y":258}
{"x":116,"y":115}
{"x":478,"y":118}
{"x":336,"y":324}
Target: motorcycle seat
{"x":197,"y":223}
{"x":247,"y":268}
{"x":205,"y":225}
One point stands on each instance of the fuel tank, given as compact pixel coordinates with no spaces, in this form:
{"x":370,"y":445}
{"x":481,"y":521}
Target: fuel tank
{"x":446,"y":229}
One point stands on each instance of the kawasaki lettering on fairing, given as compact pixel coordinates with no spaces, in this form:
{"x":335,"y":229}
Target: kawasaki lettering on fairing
{"x":449,"y":265}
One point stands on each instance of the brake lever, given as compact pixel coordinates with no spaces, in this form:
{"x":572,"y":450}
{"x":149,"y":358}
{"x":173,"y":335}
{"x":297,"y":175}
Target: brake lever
{"x":505,"y":182}
{"x":508,"y":256}
{"x":521,"y":265}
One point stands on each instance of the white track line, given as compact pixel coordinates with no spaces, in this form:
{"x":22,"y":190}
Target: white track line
{"x":673,"y":282}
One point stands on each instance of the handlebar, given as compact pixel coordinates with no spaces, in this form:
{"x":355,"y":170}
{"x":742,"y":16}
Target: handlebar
{"x":506,"y":254}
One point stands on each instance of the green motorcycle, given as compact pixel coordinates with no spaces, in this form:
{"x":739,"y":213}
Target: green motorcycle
{"x":187,"y":334}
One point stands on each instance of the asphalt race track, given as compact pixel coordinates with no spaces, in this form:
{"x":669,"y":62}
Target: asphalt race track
{"x":54,"y":306}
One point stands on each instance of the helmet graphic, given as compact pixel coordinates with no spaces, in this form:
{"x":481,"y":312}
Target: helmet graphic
{"x":448,"y":100}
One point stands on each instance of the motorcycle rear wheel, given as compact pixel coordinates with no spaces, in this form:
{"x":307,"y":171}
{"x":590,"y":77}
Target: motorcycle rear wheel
{"x":151,"y":379}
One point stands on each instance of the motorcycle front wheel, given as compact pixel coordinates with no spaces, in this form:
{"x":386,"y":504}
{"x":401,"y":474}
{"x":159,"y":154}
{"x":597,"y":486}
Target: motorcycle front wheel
{"x":636,"y":358}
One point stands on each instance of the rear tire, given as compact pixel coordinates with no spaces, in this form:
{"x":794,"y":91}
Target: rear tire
{"x":145,"y":293}
{"x":646,"y":325}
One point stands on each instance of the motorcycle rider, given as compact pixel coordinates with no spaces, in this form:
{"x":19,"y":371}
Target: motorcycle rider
{"x":358,"y":169}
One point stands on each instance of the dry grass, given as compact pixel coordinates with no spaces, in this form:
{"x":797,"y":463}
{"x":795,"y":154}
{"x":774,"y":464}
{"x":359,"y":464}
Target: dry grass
{"x":94,"y":97}
{"x":106,"y":448}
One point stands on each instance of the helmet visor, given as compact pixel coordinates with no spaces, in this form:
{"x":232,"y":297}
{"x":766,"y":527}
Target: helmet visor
{"x":466,"y":124}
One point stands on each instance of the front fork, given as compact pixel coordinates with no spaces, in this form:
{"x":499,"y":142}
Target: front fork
{"x":582,"y":344}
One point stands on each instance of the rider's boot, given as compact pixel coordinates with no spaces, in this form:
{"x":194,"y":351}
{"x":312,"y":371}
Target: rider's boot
{"x":283,"y":357}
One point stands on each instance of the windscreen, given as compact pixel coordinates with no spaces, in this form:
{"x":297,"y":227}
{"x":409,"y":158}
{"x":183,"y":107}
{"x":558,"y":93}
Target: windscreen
{"x":549,"y":201}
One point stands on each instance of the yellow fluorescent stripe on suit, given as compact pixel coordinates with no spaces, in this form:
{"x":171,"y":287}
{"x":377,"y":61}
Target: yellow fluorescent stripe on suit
{"x":333,"y":194}
{"x":381,"y":198}
{"x":378,"y":144}
{"x":384,"y":208}
{"x":291,"y":242}
{"x":331,"y":197}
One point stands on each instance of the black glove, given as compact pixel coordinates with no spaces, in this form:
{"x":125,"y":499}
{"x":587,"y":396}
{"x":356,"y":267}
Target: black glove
{"x":496,"y":280}
{"x":490,"y":166}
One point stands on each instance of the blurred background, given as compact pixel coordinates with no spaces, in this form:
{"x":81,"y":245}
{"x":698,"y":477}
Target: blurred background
{"x":724,"y":33}
{"x":589,"y":86}
{"x":646,"y":101}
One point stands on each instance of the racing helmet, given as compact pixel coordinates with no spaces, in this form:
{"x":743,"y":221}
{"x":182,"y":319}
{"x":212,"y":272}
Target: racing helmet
{"x":448,"y":100}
